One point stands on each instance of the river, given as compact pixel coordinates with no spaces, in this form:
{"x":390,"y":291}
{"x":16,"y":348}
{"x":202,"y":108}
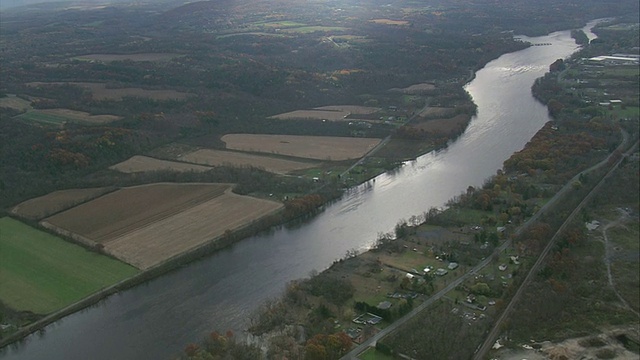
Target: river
{"x":157,"y":319}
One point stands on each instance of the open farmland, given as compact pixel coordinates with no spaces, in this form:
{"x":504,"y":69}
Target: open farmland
{"x":42,"y":273}
{"x":433,"y":112}
{"x":14,"y":102}
{"x":351,"y":109}
{"x":312,"y":29}
{"x":131,"y":57}
{"x":47,"y":205}
{"x":311,"y":147}
{"x":330,"y":113}
{"x":128,"y":209}
{"x":185,"y":230}
{"x":390,"y":22}
{"x":60,"y":116}
{"x":416,"y":89}
{"x":268,"y":163}
{"x":100,"y":91}
{"x":139,"y":163}
{"x":444,"y":126}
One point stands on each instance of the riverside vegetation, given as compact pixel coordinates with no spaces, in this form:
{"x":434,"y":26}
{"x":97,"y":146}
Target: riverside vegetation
{"x":170,"y":79}
{"x":314,"y":315}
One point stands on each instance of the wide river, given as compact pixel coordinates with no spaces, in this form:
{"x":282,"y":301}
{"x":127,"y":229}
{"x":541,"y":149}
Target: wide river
{"x":157,"y":319}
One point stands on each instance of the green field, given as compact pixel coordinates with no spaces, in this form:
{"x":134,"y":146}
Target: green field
{"x":42,"y":273}
{"x":312,"y":29}
{"x":14,"y":102}
{"x":628,"y":112}
{"x":372,"y":354}
{"x":43,"y":118}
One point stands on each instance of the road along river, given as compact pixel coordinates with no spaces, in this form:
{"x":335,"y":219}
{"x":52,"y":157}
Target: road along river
{"x":157,"y":319}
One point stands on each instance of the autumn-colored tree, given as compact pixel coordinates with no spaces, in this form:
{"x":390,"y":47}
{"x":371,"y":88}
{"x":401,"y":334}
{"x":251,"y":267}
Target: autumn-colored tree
{"x":191,"y":349}
{"x":327,"y":347}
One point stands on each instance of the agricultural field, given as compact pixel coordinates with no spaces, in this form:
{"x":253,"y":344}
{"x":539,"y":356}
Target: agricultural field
{"x":14,"y":102}
{"x":232,"y":158}
{"x":128,"y":209}
{"x":100,"y":91}
{"x":145,"y":225}
{"x":312,"y":29}
{"x":351,"y":109}
{"x":433,"y":112}
{"x":139,"y":163}
{"x":187,"y":229}
{"x":444,"y":126}
{"x":329,"y":113}
{"x":416,"y":89}
{"x":47,"y":205}
{"x":42,"y":273}
{"x":130,"y":57}
{"x":61,"y":116}
{"x":310,"y":147}
{"x":390,"y":22}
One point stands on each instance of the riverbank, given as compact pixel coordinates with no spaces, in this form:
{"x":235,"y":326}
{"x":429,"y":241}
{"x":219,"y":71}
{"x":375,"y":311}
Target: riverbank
{"x":527,"y":183}
{"x":258,"y":268}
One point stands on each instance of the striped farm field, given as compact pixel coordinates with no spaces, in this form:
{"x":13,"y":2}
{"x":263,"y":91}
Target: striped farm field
{"x":42,"y":273}
{"x":161,"y":240}
{"x":47,"y":205}
{"x":329,"y":113}
{"x":140,"y":163}
{"x":60,"y":116}
{"x":145,"y":225}
{"x":128,"y":209}
{"x":100,"y":91}
{"x":237,"y":159}
{"x":311,"y":147}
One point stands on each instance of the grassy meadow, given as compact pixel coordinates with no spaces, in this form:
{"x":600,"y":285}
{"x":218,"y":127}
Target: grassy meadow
{"x":42,"y":273}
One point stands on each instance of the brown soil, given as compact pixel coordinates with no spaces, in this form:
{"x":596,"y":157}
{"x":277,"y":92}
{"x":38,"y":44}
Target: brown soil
{"x":311,"y":147}
{"x":43,"y":206}
{"x":128,"y":209}
{"x":220,"y":157}
{"x":161,"y":240}
{"x":444,"y":126}
{"x":140,"y":163}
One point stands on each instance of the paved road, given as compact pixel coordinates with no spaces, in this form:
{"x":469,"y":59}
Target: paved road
{"x":386,"y":331}
{"x":495,"y":331}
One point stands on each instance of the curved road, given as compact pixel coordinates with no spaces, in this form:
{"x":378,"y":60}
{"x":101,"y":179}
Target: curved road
{"x":386,"y":331}
{"x":495,"y":331}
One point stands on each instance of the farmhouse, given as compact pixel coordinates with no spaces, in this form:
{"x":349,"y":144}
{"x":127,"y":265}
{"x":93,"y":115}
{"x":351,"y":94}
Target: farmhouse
{"x":441,"y":272}
{"x":384,"y":305}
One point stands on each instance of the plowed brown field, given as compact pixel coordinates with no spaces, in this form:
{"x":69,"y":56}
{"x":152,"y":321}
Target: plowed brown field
{"x":161,"y":240}
{"x":218,"y":157}
{"x":140,"y":163}
{"x":311,"y":147}
{"x":43,"y":206}
{"x":125,"y":210}
{"x":444,"y":126}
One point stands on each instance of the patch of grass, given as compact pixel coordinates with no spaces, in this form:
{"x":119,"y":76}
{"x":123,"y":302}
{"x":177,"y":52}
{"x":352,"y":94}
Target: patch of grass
{"x":312,"y":29}
{"x":282,"y":24}
{"x":627,"y":112}
{"x":39,"y":117}
{"x":42,"y":273}
{"x":14,"y":102}
{"x":373,"y":354}
{"x":621,"y":71}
